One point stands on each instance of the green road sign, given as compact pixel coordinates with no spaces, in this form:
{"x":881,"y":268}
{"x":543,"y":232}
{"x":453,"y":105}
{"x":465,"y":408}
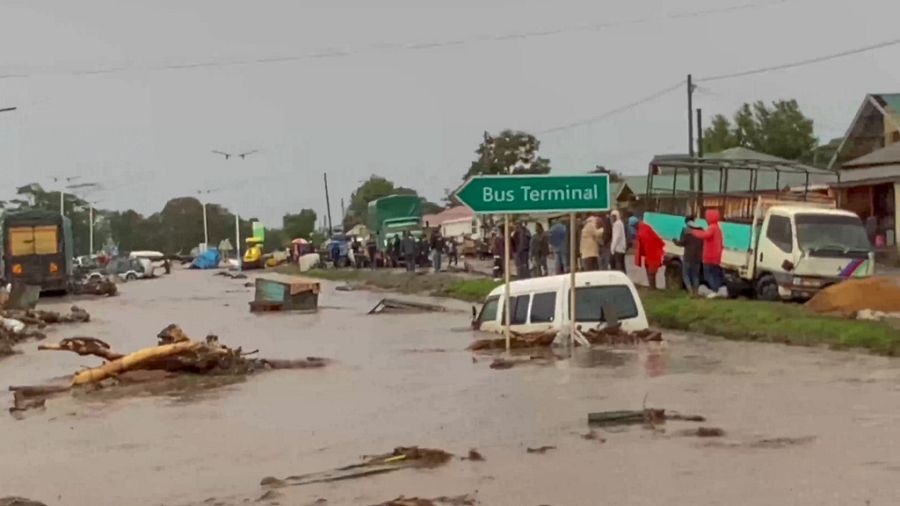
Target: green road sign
{"x":536,"y":194}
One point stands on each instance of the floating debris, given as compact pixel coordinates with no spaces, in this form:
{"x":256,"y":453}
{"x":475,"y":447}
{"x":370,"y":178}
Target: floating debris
{"x":19,"y":501}
{"x":540,"y":449}
{"x":475,"y":456}
{"x":395,"y":306}
{"x":517,"y":341}
{"x":463,"y":500}
{"x":175,"y":353}
{"x":647,"y":416}
{"x":615,"y":335}
{"x":403,"y":457}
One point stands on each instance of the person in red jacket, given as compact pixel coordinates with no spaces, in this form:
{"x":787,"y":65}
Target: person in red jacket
{"x":649,"y":249}
{"x":712,"y":251}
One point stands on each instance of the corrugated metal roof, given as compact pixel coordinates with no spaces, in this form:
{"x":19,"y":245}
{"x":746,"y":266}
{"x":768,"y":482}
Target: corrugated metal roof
{"x":884,"y":156}
{"x":891,"y":100}
{"x":871,"y":174}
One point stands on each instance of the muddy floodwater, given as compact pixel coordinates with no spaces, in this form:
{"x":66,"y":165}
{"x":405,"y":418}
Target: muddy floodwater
{"x":802,"y":426}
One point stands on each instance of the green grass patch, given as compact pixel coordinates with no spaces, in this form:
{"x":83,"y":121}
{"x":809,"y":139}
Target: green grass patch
{"x":745,"y":320}
{"x":472,"y":290}
{"x":767,"y":321}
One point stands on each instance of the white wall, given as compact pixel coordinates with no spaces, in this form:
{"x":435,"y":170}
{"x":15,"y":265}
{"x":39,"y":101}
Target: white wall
{"x":460,"y":228}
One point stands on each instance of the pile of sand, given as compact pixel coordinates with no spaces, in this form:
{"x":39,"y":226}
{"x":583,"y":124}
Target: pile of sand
{"x":878,"y":293}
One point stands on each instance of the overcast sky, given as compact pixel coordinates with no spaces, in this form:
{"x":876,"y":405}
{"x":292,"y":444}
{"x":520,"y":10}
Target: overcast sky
{"x":357,"y":90}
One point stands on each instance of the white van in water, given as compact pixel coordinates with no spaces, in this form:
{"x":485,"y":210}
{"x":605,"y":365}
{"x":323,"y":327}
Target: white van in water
{"x":540,"y":304}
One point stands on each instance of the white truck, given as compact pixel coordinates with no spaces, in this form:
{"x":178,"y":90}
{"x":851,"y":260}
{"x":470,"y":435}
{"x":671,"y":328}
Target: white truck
{"x":788,"y":250}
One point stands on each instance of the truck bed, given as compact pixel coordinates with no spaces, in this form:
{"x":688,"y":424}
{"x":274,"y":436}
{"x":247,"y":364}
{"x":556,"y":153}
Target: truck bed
{"x":735,"y":236}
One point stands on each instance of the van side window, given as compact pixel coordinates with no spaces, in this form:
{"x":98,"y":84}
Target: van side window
{"x":489,"y":310}
{"x":543,"y":307}
{"x":519,"y":310}
{"x":779,"y":233}
{"x":590,"y":300}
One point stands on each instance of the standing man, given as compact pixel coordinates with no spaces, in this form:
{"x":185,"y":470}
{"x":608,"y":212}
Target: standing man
{"x":648,"y":251}
{"x":691,"y":260}
{"x":371,"y":248}
{"x":452,"y":253}
{"x":409,"y":248}
{"x":437,"y":248}
{"x":522,"y":247}
{"x":498,"y":249}
{"x":540,"y":249}
{"x":559,"y":246}
{"x":712,"y":252}
{"x":590,"y":244}
{"x":605,"y":240}
{"x":396,"y":255}
{"x":618,"y":243}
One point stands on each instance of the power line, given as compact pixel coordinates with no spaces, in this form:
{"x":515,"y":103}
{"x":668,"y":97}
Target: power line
{"x":329,"y":53}
{"x":801,"y":63}
{"x":617,"y":110}
{"x":720,"y":77}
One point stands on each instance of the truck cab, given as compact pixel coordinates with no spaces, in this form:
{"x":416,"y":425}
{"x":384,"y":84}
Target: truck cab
{"x":802,"y":249}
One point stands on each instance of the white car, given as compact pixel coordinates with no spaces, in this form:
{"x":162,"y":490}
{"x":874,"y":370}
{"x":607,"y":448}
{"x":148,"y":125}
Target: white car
{"x":540,"y":304}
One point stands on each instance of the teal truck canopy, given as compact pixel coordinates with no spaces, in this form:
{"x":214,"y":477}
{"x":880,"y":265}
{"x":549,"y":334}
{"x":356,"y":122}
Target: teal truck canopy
{"x":735,"y":236}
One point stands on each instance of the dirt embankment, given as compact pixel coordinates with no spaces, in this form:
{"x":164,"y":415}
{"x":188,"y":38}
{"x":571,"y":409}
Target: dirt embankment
{"x":877,"y":293}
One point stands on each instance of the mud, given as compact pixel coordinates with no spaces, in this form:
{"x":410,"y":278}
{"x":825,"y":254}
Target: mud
{"x":877,"y":293}
{"x":796,"y":419}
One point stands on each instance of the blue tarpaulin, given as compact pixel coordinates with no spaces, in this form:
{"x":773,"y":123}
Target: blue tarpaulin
{"x":209,"y":259}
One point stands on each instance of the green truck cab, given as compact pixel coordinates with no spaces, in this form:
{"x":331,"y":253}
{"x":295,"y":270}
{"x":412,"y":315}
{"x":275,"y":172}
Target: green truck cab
{"x":392,"y":216}
{"x":38,"y":250}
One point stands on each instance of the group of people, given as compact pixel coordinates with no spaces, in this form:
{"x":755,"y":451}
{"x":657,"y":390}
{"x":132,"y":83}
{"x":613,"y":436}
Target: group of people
{"x":408,"y":251}
{"x":602,"y":241}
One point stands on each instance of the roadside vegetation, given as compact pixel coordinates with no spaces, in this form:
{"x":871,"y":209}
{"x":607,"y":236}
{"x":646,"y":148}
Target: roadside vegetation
{"x":744,"y":320}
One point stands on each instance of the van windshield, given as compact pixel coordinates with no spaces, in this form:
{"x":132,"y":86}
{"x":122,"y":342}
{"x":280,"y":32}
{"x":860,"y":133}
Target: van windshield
{"x":589,"y":301}
{"x":489,"y":310}
{"x":828,"y":234}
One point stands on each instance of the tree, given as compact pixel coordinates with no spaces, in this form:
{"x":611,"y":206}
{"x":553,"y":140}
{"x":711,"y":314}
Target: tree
{"x":782,"y":130}
{"x":301,"y":224}
{"x":374,"y":188}
{"x":718,"y":137}
{"x":511,"y":152}
{"x":614,"y":175}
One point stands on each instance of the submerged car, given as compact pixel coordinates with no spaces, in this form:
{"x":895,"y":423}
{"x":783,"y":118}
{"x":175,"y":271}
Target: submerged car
{"x":541,"y":304}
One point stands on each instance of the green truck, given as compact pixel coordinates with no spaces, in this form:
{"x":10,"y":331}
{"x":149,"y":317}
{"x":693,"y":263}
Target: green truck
{"x":394,"y":215}
{"x":38,"y":250}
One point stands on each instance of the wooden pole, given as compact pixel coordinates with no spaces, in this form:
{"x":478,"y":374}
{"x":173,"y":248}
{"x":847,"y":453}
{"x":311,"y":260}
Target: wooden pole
{"x":506,"y":280}
{"x":237,"y":239}
{"x":572,"y":258}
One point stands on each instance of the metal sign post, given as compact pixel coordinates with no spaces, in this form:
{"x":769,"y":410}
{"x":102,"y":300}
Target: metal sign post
{"x":572,"y":259}
{"x":537,"y":194}
{"x":506,"y":310}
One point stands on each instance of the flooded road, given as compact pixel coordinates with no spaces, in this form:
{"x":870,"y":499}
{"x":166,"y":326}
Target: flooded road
{"x":803,"y":426}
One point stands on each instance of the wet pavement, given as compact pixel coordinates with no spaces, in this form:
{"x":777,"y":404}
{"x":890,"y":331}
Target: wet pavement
{"x":803,"y":426}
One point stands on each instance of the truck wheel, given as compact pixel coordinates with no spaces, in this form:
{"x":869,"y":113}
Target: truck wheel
{"x":674,"y":279}
{"x":131,"y":276}
{"x":767,"y":288}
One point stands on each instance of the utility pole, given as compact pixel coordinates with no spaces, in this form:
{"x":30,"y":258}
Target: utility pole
{"x":91,"y":228}
{"x":700,"y":155}
{"x":343,"y":210}
{"x":328,"y":205}
{"x":690,"y":110}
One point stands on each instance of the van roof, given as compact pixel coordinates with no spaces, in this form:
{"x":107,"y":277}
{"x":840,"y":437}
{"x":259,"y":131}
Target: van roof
{"x":794,"y":210}
{"x":554,"y":283}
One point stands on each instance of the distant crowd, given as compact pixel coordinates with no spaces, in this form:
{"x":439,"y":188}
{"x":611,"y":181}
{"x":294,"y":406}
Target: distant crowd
{"x":602,"y":241}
